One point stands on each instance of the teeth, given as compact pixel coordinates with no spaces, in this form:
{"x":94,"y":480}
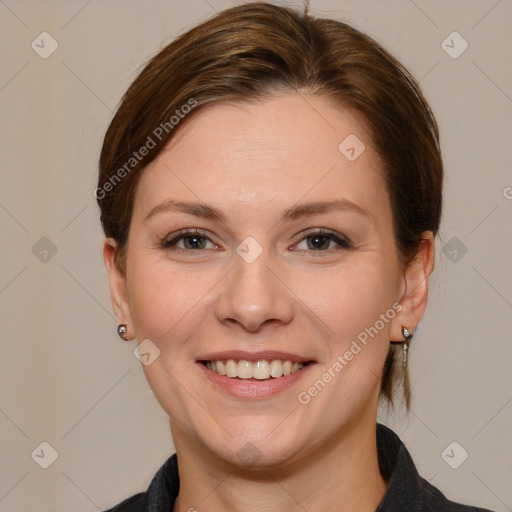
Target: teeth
{"x":260,"y":370}
{"x":276,"y":369}
{"x":221,"y":368}
{"x":244,"y":369}
{"x":231,"y":368}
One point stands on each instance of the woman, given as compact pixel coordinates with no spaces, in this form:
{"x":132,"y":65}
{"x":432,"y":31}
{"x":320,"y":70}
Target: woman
{"x":270,"y":189}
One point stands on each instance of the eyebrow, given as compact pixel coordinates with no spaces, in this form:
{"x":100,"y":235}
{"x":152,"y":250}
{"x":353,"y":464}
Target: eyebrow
{"x":299,"y":210}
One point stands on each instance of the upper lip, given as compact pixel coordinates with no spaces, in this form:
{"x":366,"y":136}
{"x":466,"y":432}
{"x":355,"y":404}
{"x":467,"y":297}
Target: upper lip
{"x":242,"y":355}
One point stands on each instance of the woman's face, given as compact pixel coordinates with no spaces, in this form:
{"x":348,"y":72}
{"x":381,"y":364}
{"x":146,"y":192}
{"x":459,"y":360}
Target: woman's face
{"x":254,"y":280}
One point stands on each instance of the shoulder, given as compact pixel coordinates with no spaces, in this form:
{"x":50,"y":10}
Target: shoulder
{"x":133,"y":504}
{"x":407,"y":490}
{"x":435,"y":501}
{"x":161,"y":493}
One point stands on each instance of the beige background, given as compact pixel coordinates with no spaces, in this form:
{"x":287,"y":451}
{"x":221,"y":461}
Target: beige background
{"x":67,"y":379}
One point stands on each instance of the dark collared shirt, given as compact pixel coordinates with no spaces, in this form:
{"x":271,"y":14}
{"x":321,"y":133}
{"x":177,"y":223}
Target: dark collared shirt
{"x":407,"y":491}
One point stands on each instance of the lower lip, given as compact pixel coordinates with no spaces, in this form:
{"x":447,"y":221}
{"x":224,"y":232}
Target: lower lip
{"x":252,"y":388}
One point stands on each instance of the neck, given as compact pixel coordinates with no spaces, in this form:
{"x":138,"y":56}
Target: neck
{"x":342,"y":476}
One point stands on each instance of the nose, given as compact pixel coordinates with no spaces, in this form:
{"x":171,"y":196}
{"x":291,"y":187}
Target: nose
{"x":253,"y":295}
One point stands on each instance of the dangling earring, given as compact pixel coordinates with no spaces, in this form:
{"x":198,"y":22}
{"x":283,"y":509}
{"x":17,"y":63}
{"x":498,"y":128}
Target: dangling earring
{"x":405,"y":345}
{"x":121,"y":331}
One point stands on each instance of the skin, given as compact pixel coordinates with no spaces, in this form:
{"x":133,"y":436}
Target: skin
{"x":252,"y":161}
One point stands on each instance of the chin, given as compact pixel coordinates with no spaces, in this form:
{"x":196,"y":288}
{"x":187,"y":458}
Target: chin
{"x":256,"y":456}
{"x":254,"y":445}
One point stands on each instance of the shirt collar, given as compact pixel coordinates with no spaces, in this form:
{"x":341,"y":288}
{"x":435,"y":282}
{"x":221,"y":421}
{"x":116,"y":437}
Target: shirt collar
{"x":405,"y":489}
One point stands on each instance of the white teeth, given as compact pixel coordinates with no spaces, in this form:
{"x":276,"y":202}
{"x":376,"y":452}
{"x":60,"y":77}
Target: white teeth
{"x":244,"y":369}
{"x":261,"y":370}
{"x":221,"y":368}
{"x":231,"y":368}
{"x":276,"y":368}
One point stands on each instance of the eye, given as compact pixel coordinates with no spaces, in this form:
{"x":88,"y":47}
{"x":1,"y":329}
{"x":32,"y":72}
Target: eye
{"x":192,"y":240}
{"x":319,"y":240}
{"x":322,"y":240}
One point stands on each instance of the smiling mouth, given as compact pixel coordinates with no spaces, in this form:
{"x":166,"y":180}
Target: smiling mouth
{"x":260,"y":370}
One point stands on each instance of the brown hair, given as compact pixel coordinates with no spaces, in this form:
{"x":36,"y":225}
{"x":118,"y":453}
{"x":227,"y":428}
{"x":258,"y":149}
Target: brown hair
{"x":250,"y":52}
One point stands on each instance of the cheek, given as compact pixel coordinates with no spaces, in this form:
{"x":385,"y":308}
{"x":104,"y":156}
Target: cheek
{"x":166,"y":299}
{"x":348,"y":299}
{"x":350,"y":302}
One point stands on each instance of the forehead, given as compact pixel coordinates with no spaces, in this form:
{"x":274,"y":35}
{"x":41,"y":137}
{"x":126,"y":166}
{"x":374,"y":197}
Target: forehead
{"x":267,"y":154}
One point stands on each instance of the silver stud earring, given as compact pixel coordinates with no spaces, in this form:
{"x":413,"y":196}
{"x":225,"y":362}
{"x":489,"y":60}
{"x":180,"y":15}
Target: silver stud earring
{"x":405,"y":345}
{"x":122,"y":331}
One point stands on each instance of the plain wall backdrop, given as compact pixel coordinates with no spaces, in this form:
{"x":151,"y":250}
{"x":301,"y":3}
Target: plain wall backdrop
{"x":66,"y":378}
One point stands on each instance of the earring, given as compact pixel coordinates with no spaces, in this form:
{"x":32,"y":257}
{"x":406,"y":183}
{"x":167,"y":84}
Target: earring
{"x":405,"y":345}
{"x":121,"y":331}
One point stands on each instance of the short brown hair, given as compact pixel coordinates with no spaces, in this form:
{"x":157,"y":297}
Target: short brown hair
{"x":255,"y":50}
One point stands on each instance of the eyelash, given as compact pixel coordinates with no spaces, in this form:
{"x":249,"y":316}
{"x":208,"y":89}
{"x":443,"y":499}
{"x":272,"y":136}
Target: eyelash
{"x":343,"y":242}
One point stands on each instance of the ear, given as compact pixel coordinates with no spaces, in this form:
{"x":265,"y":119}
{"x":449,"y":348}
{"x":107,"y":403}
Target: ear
{"x":414,"y":289}
{"x":118,"y":289}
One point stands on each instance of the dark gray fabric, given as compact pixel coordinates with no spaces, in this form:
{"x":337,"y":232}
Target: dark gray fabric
{"x":407,"y":491}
